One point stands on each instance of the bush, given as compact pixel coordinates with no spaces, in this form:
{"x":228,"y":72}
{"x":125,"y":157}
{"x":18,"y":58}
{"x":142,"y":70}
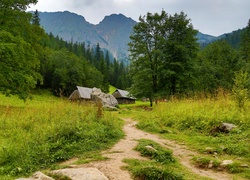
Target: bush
{"x":241,"y":89}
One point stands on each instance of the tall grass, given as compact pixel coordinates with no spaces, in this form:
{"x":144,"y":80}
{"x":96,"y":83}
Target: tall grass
{"x":46,"y":130}
{"x":193,"y":121}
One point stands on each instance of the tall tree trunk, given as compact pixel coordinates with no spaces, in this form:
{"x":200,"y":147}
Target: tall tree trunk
{"x":151,"y":101}
{"x":173,"y":85}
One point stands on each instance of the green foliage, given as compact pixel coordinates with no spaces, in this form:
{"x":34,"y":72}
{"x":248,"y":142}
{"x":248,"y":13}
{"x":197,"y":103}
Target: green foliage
{"x":17,"y":4}
{"x":161,"y":48}
{"x":191,"y":121}
{"x":245,"y":44}
{"x":48,"y":130}
{"x":149,"y":171}
{"x":35,"y":19}
{"x":68,"y":71}
{"x":63,"y":65}
{"x":205,"y":162}
{"x":234,"y":38}
{"x":160,"y":154}
{"x":163,"y":166}
{"x":18,"y":66}
{"x":215,"y":67}
{"x":241,"y":89}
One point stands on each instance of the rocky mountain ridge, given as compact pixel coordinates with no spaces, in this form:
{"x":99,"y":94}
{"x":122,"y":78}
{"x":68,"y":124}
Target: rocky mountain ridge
{"x":112,"y":33}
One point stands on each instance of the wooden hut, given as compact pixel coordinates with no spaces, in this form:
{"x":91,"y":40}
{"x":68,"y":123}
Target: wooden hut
{"x":123,"y":97}
{"x":81,"y":93}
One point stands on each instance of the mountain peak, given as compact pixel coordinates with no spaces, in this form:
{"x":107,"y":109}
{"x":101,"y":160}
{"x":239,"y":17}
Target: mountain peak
{"x":116,"y":18}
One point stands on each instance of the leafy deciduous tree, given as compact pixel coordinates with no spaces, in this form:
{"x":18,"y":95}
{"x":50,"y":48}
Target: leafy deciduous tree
{"x":215,"y":67}
{"x":161,"y":48}
{"x":18,"y":66}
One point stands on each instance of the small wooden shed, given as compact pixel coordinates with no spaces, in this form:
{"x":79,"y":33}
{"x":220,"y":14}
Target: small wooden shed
{"x":123,"y":97}
{"x":81,"y":93}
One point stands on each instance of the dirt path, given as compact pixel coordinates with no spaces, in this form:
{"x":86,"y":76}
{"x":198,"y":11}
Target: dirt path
{"x":124,"y":149}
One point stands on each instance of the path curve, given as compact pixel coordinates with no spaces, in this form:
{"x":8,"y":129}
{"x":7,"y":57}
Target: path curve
{"x":124,"y":150}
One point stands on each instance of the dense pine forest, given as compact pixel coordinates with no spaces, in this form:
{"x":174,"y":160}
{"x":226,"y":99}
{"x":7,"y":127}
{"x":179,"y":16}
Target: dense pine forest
{"x":30,"y":59}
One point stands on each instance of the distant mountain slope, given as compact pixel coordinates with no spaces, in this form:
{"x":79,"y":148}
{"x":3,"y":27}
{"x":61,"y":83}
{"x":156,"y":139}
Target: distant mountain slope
{"x":112,"y":33}
{"x":115,"y":30}
{"x":205,"y":39}
{"x":67,"y":26}
{"x":234,"y":38}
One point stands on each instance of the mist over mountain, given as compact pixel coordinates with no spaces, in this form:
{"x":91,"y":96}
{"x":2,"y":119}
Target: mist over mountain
{"x":112,"y":33}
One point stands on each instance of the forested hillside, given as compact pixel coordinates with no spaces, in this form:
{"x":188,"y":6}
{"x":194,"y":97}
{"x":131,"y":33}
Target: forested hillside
{"x":234,"y":38}
{"x":112,"y":33}
{"x":166,"y":60}
{"x":31,"y":59}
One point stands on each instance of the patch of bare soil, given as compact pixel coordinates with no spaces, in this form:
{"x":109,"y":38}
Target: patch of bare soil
{"x":112,"y":168}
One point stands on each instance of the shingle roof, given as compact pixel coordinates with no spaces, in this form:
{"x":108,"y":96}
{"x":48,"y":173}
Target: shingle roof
{"x":84,"y":92}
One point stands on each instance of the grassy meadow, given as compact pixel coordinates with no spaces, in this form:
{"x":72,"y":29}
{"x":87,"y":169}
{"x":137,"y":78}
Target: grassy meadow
{"x":193,"y":122}
{"x":46,"y":130}
{"x":40,"y":133}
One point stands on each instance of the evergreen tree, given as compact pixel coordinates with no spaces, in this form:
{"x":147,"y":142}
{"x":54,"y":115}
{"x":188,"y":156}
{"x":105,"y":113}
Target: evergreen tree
{"x":245,"y":44}
{"x":97,"y":56}
{"x":35,"y":19}
{"x":88,"y":54}
{"x":107,"y":61}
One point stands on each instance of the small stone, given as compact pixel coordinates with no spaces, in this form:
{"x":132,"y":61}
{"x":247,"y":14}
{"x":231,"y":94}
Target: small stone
{"x":226,"y":162}
{"x":210,"y":165}
{"x":150,"y":148}
{"x":244,"y":165}
{"x":222,"y":147}
{"x":227,"y":127}
{"x":210,"y":150}
{"x":41,"y":176}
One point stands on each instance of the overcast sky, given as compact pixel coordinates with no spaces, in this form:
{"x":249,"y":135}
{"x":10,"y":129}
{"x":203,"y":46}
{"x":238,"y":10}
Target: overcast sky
{"x":213,"y":17}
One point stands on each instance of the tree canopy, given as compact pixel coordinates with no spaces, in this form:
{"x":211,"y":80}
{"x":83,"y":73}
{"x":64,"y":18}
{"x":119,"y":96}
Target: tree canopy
{"x":165,"y":59}
{"x":161,"y":48}
{"x":30,"y":58}
{"x":18,"y":65}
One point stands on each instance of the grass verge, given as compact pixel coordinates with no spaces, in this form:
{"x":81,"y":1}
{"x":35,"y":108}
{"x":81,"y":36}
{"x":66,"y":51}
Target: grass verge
{"x":192,"y":122}
{"x":40,"y":133}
